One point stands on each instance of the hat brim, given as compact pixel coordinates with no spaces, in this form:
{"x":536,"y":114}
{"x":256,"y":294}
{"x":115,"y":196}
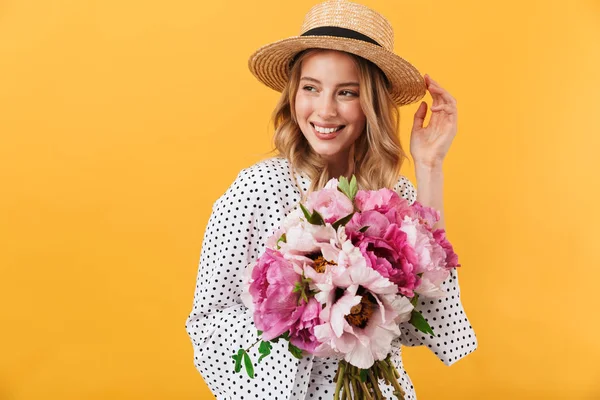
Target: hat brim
{"x":270,"y":64}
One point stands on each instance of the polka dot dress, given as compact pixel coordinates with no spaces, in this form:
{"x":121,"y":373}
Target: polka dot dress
{"x":242,"y":219}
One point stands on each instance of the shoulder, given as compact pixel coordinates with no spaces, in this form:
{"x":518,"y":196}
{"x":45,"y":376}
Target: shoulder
{"x":406,"y":189}
{"x":271,"y":169}
{"x":258,"y":182}
{"x":269,"y":175}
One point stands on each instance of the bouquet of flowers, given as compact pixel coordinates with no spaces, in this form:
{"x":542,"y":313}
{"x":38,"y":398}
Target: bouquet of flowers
{"x":340,"y":275}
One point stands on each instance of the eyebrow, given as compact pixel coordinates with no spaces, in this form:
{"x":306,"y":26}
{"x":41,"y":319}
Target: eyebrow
{"x":308,"y":78}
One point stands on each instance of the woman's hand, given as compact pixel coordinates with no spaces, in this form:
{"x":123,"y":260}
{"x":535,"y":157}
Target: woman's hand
{"x":429,"y":145}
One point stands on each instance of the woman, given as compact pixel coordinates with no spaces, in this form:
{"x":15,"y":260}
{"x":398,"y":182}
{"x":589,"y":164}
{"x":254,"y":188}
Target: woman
{"x":341,"y":85}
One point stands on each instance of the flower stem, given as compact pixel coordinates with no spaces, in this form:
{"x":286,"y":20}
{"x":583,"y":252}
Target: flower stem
{"x":347,"y":388}
{"x":380,"y":373}
{"x":252,"y":345}
{"x":393,"y":369}
{"x":375,"y":385}
{"x":357,"y":395}
{"x":340,"y":379}
{"x":387,"y":369}
{"x":365,"y":390}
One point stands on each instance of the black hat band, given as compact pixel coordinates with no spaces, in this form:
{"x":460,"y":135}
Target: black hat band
{"x":336,"y":31}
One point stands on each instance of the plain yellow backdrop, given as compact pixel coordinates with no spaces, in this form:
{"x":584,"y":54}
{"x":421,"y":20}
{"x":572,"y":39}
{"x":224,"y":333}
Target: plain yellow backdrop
{"x":121,"y":122}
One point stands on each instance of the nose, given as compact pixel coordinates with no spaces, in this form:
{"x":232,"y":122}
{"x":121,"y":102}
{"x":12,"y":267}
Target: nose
{"x":327,"y":108}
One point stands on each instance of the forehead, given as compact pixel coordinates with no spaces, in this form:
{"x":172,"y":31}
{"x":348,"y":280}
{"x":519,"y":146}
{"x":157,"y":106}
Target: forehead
{"x":330,"y":66}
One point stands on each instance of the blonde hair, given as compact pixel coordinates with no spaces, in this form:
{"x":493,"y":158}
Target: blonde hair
{"x":375,"y":157}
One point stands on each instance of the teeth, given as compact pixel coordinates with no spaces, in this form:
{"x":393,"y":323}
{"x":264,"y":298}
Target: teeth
{"x":326,"y":130}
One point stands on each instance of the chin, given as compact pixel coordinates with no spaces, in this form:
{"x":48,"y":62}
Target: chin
{"x":326,"y":151}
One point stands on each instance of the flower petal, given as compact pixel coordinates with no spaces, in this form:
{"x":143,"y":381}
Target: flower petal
{"x":339,"y":310}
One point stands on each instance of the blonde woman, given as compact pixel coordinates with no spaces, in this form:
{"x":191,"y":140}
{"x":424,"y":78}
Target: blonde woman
{"x":341,"y":86}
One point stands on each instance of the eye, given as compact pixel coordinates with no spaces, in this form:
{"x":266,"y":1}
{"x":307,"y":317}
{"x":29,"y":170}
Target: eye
{"x":309,"y":88}
{"x":348,"y":93}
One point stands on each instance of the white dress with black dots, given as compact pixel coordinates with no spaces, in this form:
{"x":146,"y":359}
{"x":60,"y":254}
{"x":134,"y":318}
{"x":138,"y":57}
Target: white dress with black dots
{"x":242,"y":219}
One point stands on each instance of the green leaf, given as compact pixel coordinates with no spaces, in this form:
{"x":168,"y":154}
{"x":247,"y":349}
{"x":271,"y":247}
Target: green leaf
{"x":344,"y":186}
{"x":248,"y":365}
{"x":417,"y":320}
{"x":264,"y":349}
{"x":259,"y":333}
{"x":316,"y":218}
{"x":363,"y":375}
{"x":285,"y":336}
{"x":364,"y":229}
{"x":281,"y":239}
{"x":342,"y":221}
{"x":297,"y":287}
{"x":296,"y":352}
{"x":414,"y":300}
{"x":353,"y":188}
{"x":262,"y":356}
{"x":303,"y":296}
{"x":238,"y":359}
{"x":343,"y":183}
{"x":305,"y":212}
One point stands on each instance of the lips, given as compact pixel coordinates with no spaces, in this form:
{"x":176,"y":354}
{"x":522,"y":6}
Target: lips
{"x":330,"y":135}
{"x":326,"y":128}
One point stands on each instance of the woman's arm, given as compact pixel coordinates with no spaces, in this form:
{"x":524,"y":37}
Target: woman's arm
{"x":219,"y":323}
{"x":430,"y":189}
{"x":454,"y":336}
{"x":430,"y":144}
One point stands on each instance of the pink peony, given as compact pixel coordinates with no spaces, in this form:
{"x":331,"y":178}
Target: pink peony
{"x":430,"y":217}
{"x":302,"y":333}
{"x":330,"y":203}
{"x":348,"y":271}
{"x":304,"y":240}
{"x":386,"y":249}
{"x":434,"y":253}
{"x":430,"y":254}
{"x":360,"y":324}
{"x":276,"y":306}
{"x":426,"y":215}
{"x":382,"y":200}
{"x":451,"y":257}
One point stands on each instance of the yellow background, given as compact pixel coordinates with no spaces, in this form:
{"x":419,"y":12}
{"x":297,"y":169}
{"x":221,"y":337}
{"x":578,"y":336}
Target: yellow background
{"x":121,"y":122}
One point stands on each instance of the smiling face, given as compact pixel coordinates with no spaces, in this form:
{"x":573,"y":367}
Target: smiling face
{"x":327,"y":105}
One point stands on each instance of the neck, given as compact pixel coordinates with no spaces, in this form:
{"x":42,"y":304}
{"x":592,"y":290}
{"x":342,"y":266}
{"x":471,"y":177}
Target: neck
{"x":336,"y":171}
{"x":341,"y":166}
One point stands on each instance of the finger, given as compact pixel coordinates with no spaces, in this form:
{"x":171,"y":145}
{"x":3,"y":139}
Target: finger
{"x":434,"y":91}
{"x":427,"y":80}
{"x":436,"y":95}
{"x":435,"y":87}
{"x":447,"y":108}
{"x":420,"y":116}
{"x":433,"y":81}
{"x":442,"y":95}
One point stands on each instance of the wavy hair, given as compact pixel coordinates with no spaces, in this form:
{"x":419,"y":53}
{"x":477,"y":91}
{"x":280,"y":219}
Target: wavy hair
{"x":376,"y":156}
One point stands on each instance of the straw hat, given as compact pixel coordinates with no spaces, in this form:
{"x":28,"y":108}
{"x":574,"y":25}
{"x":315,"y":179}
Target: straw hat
{"x":345,"y":26}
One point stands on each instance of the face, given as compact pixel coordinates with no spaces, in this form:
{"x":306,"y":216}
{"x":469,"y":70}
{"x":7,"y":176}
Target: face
{"x":327,"y":104}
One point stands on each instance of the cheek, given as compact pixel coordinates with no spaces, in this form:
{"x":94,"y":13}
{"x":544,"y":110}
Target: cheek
{"x":354,"y":114}
{"x":303,"y":108}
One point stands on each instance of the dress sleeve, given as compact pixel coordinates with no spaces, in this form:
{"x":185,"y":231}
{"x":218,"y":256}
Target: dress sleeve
{"x":454,"y":337}
{"x":406,"y":189}
{"x":219,"y":324}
